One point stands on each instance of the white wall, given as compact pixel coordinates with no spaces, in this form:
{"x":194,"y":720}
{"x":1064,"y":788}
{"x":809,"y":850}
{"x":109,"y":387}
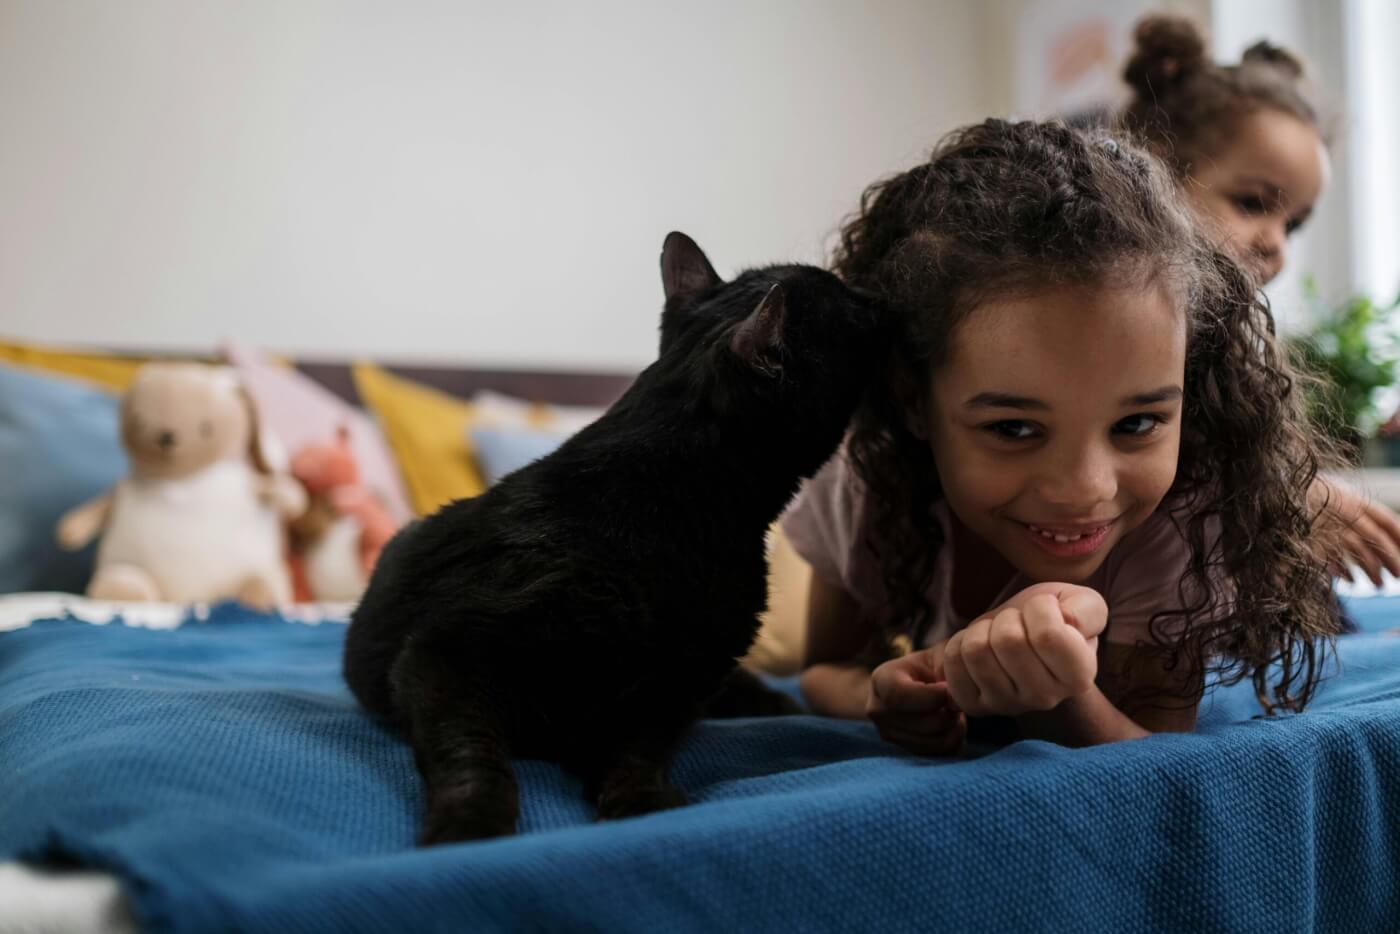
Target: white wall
{"x":1373,"y":156}
{"x":465,"y":182}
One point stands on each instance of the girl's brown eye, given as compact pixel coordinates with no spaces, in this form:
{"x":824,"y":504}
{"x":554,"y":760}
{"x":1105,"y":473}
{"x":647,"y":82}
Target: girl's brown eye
{"x":1139,"y":425}
{"x":1251,"y":204}
{"x":1012,"y":430}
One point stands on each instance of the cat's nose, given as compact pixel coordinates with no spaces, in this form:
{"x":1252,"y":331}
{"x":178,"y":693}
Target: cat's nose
{"x":166,"y":440}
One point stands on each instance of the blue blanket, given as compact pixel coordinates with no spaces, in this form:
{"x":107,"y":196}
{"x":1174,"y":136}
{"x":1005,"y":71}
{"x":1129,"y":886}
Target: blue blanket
{"x":223,"y":772}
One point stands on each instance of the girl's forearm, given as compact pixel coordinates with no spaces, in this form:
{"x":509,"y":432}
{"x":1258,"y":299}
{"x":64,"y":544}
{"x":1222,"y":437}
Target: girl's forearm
{"x":1089,"y":719}
{"x":836,"y":689}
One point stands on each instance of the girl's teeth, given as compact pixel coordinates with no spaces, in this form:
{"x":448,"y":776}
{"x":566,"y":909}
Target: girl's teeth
{"x":1059,"y":538}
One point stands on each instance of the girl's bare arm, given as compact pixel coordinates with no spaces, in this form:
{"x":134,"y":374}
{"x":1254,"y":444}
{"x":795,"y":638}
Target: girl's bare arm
{"x":833,"y":682}
{"x":1135,"y":696}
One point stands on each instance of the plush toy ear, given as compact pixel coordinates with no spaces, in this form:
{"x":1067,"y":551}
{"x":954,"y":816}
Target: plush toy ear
{"x":758,"y":339}
{"x":684,"y":267}
{"x":256,"y":453}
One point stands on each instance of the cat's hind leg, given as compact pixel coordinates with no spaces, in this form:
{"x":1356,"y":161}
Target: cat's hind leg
{"x":457,"y":726}
{"x":629,"y":779}
{"x":636,"y":785}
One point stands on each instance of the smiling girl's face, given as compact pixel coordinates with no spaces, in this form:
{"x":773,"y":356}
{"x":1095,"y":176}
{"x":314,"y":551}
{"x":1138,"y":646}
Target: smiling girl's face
{"x":1261,"y":187}
{"x":1055,"y":422}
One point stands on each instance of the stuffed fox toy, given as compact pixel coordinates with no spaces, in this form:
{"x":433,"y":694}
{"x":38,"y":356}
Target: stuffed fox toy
{"x":337,"y":541}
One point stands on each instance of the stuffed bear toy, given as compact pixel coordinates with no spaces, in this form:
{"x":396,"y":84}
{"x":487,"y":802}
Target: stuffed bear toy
{"x":201,"y":515}
{"x":337,"y":541}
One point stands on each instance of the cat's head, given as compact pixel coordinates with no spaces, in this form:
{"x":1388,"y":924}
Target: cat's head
{"x":787,"y":350}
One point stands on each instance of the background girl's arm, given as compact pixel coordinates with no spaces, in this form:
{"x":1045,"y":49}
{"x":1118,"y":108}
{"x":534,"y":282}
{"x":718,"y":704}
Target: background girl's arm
{"x":834,"y":683}
{"x":1135,"y":695}
{"x":1367,"y":533}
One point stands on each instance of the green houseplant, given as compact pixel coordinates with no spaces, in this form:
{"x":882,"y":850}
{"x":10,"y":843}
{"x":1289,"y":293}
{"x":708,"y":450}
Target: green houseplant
{"x":1352,"y":351}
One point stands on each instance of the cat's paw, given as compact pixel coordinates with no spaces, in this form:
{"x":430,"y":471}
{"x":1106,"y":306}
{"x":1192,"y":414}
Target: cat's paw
{"x":637,"y":800}
{"x":745,"y":695}
{"x":455,"y":824}
{"x":776,"y":704}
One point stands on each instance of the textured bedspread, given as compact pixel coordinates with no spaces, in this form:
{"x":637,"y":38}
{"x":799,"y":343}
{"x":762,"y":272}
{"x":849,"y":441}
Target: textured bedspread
{"x":221,"y":770}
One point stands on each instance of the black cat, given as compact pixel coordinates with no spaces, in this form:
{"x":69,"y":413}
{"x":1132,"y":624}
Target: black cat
{"x":585,"y":608}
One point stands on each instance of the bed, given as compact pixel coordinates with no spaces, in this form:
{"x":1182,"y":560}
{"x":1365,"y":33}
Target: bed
{"x":172,"y":768}
{"x":216,"y":767}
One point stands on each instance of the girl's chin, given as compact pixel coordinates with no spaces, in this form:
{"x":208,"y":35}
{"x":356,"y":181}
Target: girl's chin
{"x":1061,"y":572}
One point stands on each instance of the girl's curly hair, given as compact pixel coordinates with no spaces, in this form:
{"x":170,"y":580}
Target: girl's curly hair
{"x":1185,"y":107}
{"x":1002,"y":209}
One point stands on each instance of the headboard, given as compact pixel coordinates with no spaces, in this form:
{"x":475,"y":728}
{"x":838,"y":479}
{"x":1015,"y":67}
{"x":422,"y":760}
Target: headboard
{"x":553,"y":386}
{"x":558,"y":387}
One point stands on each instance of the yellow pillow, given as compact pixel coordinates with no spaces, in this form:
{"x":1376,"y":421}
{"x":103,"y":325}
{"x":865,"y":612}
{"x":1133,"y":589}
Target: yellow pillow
{"x":427,"y":430}
{"x":782,"y":635}
{"x":110,"y":370}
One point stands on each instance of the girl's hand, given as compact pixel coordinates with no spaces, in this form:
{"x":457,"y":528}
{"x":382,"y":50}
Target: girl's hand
{"x":909,"y":705}
{"x":1034,"y":651}
{"x":1368,"y":532}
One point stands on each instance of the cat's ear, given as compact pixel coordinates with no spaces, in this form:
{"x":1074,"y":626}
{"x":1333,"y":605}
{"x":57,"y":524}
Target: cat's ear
{"x":684,"y":267}
{"x":758,"y":339}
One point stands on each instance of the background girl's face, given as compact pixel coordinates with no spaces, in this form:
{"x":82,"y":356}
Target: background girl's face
{"x":1261,"y":187}
{"x":1055,"y":422}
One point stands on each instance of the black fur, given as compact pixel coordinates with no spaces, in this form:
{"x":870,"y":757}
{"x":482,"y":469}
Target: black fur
{"x":585,"y":608}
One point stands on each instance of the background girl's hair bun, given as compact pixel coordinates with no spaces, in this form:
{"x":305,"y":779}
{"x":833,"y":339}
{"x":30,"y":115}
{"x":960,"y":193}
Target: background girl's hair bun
{"x":1266,"y":53}
{"x":1168,"y":48}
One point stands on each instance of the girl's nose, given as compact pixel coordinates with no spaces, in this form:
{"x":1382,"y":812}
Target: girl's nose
{"x":1079,"y":480}
{"x":1269,"y":248}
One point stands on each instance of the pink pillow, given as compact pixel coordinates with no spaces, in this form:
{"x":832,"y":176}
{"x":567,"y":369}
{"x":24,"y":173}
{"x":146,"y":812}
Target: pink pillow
{"x":299,"y":411}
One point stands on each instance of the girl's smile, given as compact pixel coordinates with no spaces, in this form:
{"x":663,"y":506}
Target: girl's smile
{"x":1055,"y":422}
{"x":1070,"y":541}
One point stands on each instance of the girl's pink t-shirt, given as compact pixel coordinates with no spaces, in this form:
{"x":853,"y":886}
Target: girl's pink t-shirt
{"x":830,"y":524}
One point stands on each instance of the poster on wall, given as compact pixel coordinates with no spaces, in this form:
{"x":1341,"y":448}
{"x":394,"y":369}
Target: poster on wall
{"x":1069,"y":55}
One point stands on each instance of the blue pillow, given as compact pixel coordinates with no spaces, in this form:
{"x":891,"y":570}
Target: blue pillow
{"x":500,"y":451}
{"x":59,"y":447}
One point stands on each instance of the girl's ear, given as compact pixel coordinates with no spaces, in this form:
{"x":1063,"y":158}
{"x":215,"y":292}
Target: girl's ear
{"x":684,"y":267}
{"x":758,"y":339}
{"x":911,"y":397}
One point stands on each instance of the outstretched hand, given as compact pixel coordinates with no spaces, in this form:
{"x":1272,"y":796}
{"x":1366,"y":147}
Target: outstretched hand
{"x":1367,"y":532}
